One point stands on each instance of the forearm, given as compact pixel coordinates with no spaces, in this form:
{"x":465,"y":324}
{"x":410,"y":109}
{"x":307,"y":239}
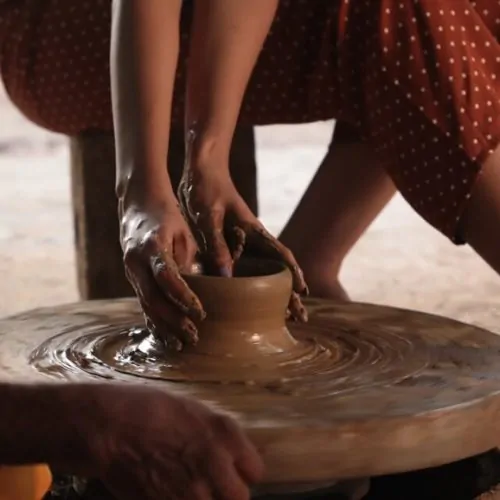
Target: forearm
{"x":39,"y":424}
{"x":144,"y":52}
{"x":226,"y":39}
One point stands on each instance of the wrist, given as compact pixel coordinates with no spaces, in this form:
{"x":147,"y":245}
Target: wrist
{"x":138,"y":188}
{"x":206,"y":154}
{"x":43,"y":424}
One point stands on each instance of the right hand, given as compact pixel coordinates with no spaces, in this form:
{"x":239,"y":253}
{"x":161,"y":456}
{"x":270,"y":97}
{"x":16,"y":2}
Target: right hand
{"x":157,"y":246}
{"x":156,"y":445}
{"x":219,"y":216}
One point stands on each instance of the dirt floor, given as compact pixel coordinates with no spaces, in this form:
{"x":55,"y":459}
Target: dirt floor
{"x":400,"y":261}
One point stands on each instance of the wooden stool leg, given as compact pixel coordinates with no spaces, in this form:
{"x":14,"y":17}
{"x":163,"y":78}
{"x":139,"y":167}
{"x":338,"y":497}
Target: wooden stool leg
{"x":98,"y":252}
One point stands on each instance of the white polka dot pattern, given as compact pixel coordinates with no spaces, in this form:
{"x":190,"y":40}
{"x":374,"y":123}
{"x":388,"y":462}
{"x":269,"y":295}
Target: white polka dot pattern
{"x":420,"y":79}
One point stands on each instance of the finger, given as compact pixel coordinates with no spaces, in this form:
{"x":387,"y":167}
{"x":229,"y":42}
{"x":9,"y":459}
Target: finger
{"x":165,"y":317}
{"x":171,"y":341}
{"x":198,"y":491}
{"x":176,"y":330}
{"x":258,"y":238}
{"x":216,"y":254}
{"x":174,"y":287}
{"x":153,"y":285}
{"x":238,"y":238}
{"x":297,"y":310}
{"x":246,"y":457}
{"x":184,"y":251}
{"x":226,"y":483}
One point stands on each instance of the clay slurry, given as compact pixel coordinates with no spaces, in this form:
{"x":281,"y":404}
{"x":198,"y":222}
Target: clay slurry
{"x":404,"y":389}
{"x":321,"y":360}
{"x":391,"y":386}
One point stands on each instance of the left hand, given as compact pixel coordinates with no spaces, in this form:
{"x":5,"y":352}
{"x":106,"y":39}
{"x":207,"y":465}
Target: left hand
{"x":144,"y":443}
{"x":224,"y":225}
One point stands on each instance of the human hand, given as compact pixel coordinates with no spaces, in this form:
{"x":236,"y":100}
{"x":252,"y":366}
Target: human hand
{"x":224,"y":227}
{"x":157,"y":246}
{"x":153,"y":445}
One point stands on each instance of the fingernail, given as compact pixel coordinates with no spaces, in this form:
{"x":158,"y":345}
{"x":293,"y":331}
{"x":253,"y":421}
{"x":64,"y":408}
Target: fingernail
{"x":225,"y":272}
{"x":191,"y":333}
{"x":304,"y":316}
{"x":174,"y":344}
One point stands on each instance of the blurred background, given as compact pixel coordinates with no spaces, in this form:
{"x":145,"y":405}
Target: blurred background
{"x":400,"y":261}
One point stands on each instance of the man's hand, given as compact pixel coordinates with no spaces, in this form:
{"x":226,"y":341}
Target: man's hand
{"x":142,"y":443}
{"x":160,"y":446}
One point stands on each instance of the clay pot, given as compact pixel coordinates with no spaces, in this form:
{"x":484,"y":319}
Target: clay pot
{"x":246,"y":313}
{"x":244,"y":337}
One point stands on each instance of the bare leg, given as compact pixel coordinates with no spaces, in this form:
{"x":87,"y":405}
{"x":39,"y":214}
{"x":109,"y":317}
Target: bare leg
{"x":481,"y":221}
{"x":226,"y":39}
{"x":348,"y":191}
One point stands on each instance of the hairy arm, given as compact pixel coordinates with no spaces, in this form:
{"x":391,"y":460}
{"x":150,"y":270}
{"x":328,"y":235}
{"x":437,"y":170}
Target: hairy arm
{"x":144,"y":53}
{"x":44,"y":424}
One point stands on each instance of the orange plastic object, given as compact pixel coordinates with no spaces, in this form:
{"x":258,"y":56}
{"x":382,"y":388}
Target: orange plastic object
{"x":30,"y":482}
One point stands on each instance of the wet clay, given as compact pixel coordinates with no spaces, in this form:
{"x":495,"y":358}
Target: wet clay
{"x":245,"y":340}
{"x":360,"y":390}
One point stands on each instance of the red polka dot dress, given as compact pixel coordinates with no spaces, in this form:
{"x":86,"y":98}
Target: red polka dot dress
{"x":420,"y":79}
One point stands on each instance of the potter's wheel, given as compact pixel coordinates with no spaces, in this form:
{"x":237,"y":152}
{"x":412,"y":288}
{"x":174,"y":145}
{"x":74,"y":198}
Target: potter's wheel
{"x":379,"y":390}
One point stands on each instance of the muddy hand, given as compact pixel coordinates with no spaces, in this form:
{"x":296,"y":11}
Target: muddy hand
{"x":157,"y":245}
{"x":224,"y":226}
{"x":261,"y":243}
{"x":202,"y":202}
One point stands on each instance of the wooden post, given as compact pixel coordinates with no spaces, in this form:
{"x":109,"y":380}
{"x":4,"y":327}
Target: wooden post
{"x":98,"y":252}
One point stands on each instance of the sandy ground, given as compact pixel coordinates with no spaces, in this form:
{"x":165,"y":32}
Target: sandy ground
{"x":400,"y":261}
